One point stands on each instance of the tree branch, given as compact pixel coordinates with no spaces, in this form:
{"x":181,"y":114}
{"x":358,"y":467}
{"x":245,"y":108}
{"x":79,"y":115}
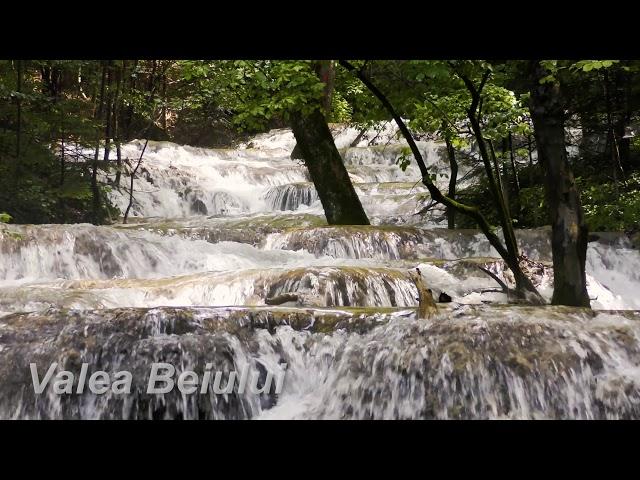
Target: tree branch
{"x":435,"y":193}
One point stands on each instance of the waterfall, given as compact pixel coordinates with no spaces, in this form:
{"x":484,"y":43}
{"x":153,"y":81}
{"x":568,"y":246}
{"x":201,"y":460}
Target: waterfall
{"x":476,"y":362}
{"x":215,"y":235}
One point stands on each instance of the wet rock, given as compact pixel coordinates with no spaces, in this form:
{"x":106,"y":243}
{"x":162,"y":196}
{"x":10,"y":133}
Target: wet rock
{"x":444,"y":298}
{"x":283,"y":298}
{"x":198,"y":207}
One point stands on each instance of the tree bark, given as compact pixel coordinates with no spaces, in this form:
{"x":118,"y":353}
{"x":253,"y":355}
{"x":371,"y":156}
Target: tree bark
{"x":516,"y":179}
{"x":325,"y":70}
{"x":327,"y":73}
{"x":569,"y":230}
{"x":128,"y":120}
{"x":164,"y":101}
{"x":19,"y":111}
{"x":326,"y":168}
{"x":624,"y":144}
{"x":530,"y":150}
{"x":116,"y":123}
{"x":453,"y":165}
{"x":62,"y":161}
{"x":613,"y":143}
{"x":109,"y":111}
{"x":94,"y":174}
{"x":505,"y":181}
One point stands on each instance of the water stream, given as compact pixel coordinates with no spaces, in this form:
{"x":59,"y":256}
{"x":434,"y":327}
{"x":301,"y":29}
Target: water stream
{"x":215,"y":233}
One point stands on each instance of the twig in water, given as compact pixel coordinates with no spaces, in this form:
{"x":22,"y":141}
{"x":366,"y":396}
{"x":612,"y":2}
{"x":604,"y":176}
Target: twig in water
{"x":133,"y":175}
{"x":505,"y":289}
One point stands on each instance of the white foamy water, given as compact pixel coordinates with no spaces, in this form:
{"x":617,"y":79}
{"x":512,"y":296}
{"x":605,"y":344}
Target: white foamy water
{"x":217,"y":228}
{"x":223,"y":215}
{"x":181,"y":181}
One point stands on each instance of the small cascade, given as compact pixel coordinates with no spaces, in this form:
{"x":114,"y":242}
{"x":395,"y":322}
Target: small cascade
{"x":180,"y":181}
{"x":36,"y":253}
{"x":401,"y":242}
{"x":347,"y":286}
{"x":291,"y":196}
{"x":476,"y":364}
{"x":222,"y":256}
{"x":468,"y":363}
{"x":617,"y":271}
{"x":319,"y":286}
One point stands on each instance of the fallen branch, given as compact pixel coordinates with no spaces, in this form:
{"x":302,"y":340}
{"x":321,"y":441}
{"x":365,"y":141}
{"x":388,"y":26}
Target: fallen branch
{"x":133,"y":175}
{"x":504,"y":287}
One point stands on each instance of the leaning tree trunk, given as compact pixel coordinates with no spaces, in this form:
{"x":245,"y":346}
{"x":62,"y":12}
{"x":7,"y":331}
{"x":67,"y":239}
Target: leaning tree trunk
{"x":569,"y":230}
{"x":516,"y":180}
{"x":325,"y":69}
{"x":328,"y":173}
{"x":453,"y":165}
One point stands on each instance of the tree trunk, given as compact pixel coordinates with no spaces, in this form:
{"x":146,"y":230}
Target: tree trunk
{"x":569,"y":230}
{"x":502,"y":177}
{"x":611,"y":134}
{"x":107,"y":118}
{"x":62,"y":162}
{"x":164,"y":102}
{"x":116,"y":115}
{"x":326,"y":168}
{"x":624,"y":144}
{"x":523,"y":283}
{"x":94,"y":174}
{"x":531,"y":172}
{"x":327,"y":72}
{"x":453,"y":165}
{"x":505,"y":180}
{"x":516,"y":180}
{"x":19,"y":111}
{"x":296,"y":153}
{"x":128,"y":120}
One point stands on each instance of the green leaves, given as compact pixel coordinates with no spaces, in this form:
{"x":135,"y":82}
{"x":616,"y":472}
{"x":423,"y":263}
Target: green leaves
{"x":75,"y":187}
{"x":552,"y":67}
{"x":262,"y":89}
{"x":589,"y":65}
{"x":547,"y":79}
{"x":5,"y":217}
{"x":341,"y":110}
{"x":444,"y":112}
{"x":602,"y":204}
{"x":404,"y":159}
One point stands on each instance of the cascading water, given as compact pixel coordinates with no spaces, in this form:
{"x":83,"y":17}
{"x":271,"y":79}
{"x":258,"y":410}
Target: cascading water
{"x":215,"y":234}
